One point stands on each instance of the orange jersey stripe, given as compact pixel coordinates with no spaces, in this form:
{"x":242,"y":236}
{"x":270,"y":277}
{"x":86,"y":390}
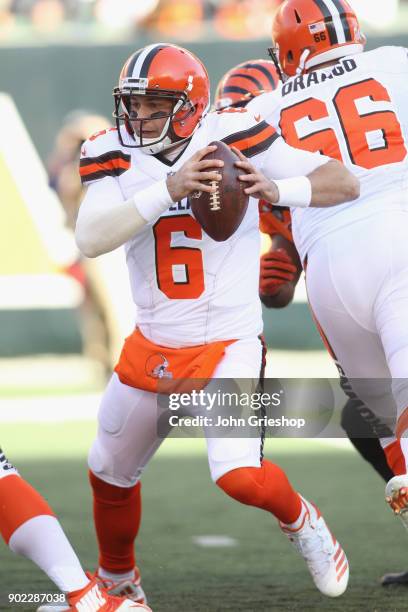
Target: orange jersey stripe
{"x":252,"y":141}
{"x":109,"y":165}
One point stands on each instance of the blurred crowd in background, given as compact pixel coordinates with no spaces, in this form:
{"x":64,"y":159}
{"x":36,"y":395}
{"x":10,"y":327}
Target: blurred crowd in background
{"x":184,"y":19}
{"x":22,"y":20}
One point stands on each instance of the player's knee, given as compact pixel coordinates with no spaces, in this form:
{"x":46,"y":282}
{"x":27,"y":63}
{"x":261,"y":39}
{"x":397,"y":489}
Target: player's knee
{"x":104,"y":466}
{"x":241,"y":484}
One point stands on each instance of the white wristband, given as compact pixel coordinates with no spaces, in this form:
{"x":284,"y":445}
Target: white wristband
{"x":295,"y":192}
{"x":153,"y":201}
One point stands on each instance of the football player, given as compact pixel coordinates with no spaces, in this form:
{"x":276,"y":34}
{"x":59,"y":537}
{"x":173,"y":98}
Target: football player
{"x":351,"y":105}
{"x":280,"y":269}
{"x":280,"y":266}
{"x":30,"y":528}
{"x":198,"y":313}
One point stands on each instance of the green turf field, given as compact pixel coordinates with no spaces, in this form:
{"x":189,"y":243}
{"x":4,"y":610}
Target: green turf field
{"x":261,"y":573}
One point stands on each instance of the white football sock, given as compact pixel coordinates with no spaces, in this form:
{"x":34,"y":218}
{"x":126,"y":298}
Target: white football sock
{"x":42,"y":540}
{"x":299,"y":520}
{"x":116,"y":577}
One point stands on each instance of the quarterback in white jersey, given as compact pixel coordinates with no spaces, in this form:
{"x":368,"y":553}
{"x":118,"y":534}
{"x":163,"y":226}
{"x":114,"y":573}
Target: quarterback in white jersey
{"x":198,"y":310}
{"x":188,"y":288}
{"x":353,"y":106}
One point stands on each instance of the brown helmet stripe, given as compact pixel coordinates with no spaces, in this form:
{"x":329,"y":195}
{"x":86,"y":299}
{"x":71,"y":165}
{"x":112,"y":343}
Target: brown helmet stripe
{"x":343,"y":16}
{"x":128,"y":72}
{"x":328,"y":18}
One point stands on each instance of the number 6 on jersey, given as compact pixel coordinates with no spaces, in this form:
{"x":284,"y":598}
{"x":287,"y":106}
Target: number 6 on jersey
{"x":179,"y":269}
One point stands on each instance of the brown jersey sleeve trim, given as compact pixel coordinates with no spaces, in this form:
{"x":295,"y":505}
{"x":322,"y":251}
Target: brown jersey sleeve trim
{"x":254,"y":140}
{"x":113,"y":163}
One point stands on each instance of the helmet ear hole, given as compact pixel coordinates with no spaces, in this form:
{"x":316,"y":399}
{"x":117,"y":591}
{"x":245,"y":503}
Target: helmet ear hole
{"x":290,"y":57}
{"x":298,"y":19}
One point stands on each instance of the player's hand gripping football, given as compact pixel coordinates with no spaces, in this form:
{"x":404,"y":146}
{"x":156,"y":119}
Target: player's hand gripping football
{"x":258,"y":185}
{"x":191,"y":176}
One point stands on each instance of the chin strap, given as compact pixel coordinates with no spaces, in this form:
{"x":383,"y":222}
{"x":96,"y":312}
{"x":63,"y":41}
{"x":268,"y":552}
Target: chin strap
{"x":302,"y":62}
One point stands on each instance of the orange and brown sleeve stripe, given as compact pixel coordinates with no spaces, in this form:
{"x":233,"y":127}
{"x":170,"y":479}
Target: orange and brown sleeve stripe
{"x":275,"y":220}
{"x":253,"y":140}
{"x":113,"y":163}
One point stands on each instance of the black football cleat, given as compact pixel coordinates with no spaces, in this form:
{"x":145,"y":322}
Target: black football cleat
{"x":391,"y":579}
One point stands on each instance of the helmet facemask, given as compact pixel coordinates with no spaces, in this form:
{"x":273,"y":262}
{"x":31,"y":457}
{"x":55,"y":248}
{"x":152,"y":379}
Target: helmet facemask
{"x":273,"y":53}
{"x":126,"y":118}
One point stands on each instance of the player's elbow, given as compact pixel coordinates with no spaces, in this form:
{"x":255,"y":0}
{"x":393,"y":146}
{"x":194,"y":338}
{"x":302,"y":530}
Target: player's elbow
{"x":333,"y":184}
{"x":347,"y":184}
{"x":351,"y":188}
{"x":85,"y":243}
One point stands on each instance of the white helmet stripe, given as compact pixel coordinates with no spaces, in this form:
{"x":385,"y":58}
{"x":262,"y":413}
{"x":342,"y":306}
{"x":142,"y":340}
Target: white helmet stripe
{"x":137,"y":68}
{"x":338,"y":25}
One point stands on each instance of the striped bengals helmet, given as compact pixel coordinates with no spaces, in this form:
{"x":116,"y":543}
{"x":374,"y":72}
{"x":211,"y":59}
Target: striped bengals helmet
{"x":310,"y":32}
{"x":247,"y":80}
{"x":166,"y":71}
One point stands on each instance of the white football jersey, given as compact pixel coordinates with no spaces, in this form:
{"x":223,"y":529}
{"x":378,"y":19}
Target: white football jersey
{"x":189,"y":289}
{"x":355,"y":111}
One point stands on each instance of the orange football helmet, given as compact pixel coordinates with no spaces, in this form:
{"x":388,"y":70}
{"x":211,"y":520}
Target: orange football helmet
{"x":165,"y":71}
{"x":242,"y":83}
{"x":310,"y":32}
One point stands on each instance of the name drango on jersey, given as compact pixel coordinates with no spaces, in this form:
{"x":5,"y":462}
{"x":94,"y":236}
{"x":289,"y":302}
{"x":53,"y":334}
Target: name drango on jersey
{"x":314,"y":78}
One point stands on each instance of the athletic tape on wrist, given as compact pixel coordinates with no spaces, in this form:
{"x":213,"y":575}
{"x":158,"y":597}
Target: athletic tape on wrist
{"x":153,"y":201}
{"x":294,"y":192}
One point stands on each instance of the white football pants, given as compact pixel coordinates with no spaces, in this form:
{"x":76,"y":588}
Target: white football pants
{"x":128,"y":435}
{"x":357,"y":284}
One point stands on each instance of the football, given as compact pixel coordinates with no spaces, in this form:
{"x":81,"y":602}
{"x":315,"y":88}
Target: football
{"x":221,"y":213}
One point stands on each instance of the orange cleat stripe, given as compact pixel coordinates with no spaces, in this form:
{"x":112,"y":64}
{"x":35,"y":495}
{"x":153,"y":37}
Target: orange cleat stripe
{"x":340,"y":576}
{"x":338,"y":553}
{"x":340,"y":563}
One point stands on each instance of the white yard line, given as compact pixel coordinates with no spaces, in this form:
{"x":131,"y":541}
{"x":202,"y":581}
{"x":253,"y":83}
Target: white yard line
{"x":215,"y":541}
